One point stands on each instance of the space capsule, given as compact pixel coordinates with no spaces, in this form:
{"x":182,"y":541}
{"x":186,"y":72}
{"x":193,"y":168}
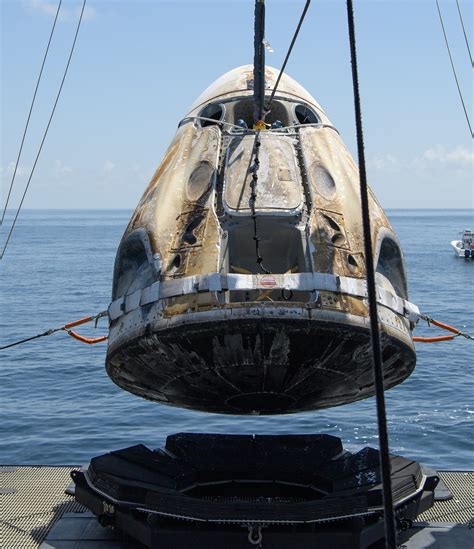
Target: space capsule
{"x":239,"y":284}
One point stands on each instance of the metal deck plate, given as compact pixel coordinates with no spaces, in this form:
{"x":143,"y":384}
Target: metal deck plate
{"x":33,"y":499}
{"x":459,"y":509}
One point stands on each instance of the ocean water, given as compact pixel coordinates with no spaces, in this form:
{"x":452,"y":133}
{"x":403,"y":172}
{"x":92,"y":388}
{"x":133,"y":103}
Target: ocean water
{"x":57,"y":405}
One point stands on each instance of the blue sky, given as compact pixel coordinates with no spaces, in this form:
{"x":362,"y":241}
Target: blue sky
{"x":139,"y":65}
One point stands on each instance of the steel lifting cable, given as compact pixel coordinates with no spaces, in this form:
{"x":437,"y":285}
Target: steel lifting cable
{"x":253,"y":200}
{"x":295,"y":36}
{"x":390,"y":531}
{"x":29,"y":114}
{"x":464,"y":32}
{"x":67,"y":328}
{"x":453,"y":68}
{"x":46,"y":130}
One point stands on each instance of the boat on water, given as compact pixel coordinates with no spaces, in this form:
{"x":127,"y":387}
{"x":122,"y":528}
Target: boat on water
{"x":239,"y":284}
{"x":465,"y":246}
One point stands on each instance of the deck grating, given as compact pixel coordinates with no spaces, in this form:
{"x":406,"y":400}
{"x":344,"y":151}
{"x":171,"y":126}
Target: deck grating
{"x":32,"y":499}
{"x":459,"y":509}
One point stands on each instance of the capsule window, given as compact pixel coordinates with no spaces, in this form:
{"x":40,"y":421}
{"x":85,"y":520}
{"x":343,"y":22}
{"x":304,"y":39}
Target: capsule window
{"x":279,"y":115}
{"x":213,"y":112}
{"x":305,"y":115}
{"x":390,"y":265}
{"x":133,"y":268}
{"x":243,"y":113}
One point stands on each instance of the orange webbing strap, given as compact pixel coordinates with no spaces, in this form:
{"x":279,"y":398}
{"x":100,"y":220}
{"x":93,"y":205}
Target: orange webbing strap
{"x":432,"y":339}
{"x":88,"y":340}
{"x":79,"y":322}
{"x":445,"y":326}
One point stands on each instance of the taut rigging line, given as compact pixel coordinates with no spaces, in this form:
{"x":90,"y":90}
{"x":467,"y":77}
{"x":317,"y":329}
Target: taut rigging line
{"x":66,"y":328}
{"x":389,"y":514}
{"x":29,"y":114}
{"x":453,"y":68}
{"x":293,"y":40}
{"x":464,"y":32}
{"x":46,"y":130}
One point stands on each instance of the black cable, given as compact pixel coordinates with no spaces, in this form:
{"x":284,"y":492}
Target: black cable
{"x":390,"y":531}
{"x":67,"y":328}
{"x":46,"y":130}
{"x":259,"y":62}
{"x":253,"y":200}
{"x":47,"y":333}
{"x":29,"y":114}
{"x":464,"y":31}
{"x":454,"y":70}
{"x":293,"y":40}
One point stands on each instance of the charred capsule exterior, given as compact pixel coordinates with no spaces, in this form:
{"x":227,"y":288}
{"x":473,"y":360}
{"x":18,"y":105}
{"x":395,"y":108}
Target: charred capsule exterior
{"x":197,"y":321}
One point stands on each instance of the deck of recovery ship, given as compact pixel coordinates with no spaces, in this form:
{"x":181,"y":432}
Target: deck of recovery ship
{"x":36,"y":512}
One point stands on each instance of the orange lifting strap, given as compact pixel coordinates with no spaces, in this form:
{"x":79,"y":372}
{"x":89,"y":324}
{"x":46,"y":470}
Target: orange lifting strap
{"x":432,"y":339}
{"x":444,"y":326}
{"x":78,"y":322}
{"x":79,"y":337}
{"x":88,"y":340}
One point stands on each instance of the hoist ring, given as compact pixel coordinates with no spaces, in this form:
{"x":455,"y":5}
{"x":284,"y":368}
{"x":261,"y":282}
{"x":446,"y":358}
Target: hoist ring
{"x":255,"y":535}
{"x":286,"y":294}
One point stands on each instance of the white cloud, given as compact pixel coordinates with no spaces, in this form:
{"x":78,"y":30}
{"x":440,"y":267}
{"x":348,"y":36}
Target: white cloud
{"x":65,"y":13}
{"x":424,"y":178}
{"x":383,"y":162}
{"x":60,"y":169}
{"x":138,"y":171}
{"x":430,"y":161}
{"x":108,"y":166}
{"x":459,"y":157}
{"x":44,"y":7}
{"x":89,"y":13}
{"x":20,"y":172}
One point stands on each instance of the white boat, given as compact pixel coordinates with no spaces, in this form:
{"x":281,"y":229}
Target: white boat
{"x":465,"y":246}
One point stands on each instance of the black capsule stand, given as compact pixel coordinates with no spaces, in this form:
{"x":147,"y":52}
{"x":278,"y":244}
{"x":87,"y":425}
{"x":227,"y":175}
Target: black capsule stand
{"x":292,"y":491}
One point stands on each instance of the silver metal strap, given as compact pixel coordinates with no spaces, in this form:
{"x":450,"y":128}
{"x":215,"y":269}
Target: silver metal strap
{"x":217,"y":282}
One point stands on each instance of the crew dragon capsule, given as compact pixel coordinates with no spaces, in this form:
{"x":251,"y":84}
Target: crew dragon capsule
{"x":239,"y":284}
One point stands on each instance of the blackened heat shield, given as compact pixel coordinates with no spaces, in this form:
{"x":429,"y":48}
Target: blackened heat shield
{"x":256,"y":365}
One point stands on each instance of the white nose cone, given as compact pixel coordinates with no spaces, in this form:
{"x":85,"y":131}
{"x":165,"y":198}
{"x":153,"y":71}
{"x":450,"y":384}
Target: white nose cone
{"x":239,"y":82}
